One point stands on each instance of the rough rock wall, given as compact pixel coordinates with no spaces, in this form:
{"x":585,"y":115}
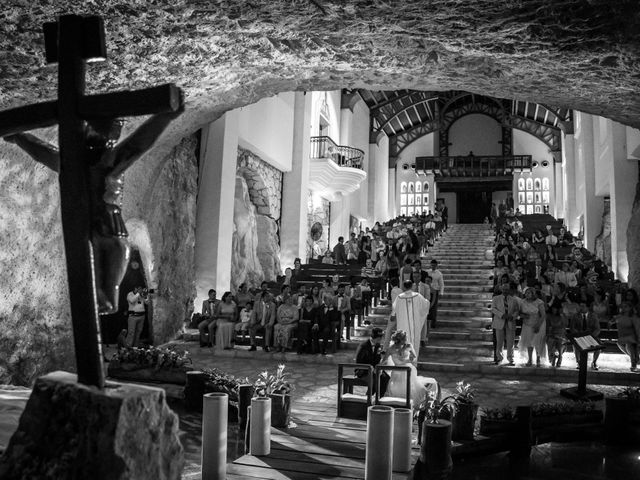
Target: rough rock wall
{"x":245,"y":265}
{"x":170,"y":216}
{"x":633,"y":243}
{"x":318,"y":214}
{"x":264,"y":187}
{"x":603,"y":240}
{"x":35,"y":323}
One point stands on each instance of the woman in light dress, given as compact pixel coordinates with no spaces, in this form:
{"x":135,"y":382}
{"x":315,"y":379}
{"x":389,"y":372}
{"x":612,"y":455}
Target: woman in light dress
{"x":226,"y":313}
{"x":401,"y":353}
{"x":533,"y":334}
{"x":287,"y":321}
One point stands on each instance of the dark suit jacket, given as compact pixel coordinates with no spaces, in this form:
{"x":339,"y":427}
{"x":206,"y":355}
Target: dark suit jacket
{"x":339,"y":254}
{"x":369,"y":354}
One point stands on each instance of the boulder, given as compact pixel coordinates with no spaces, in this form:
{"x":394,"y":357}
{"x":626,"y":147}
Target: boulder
{"x":121,"y":432}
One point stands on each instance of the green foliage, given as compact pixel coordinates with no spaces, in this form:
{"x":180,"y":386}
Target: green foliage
{"x":153,"y":357}
{"x":631,"y":393}
{"x":465,"y":393}
{"x":505,"y":413}
{"x":219,"y":381}
{"x":268,"y":383}
{"x":434,"y":408}
{"x":561,"y":408}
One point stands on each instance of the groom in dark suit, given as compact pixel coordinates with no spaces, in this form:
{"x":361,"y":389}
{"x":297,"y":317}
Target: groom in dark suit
{"x":370,"y":352}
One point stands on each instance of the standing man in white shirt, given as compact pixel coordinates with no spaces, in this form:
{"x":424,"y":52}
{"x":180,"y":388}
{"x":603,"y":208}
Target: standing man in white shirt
{"x":137,"y":299}
{"x":437,"y":290}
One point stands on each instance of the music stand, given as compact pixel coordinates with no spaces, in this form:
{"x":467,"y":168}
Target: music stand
{"x":584,"y":345}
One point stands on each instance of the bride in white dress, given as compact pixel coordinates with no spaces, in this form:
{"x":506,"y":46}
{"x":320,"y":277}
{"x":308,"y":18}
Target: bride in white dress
{"x":402,"y":353}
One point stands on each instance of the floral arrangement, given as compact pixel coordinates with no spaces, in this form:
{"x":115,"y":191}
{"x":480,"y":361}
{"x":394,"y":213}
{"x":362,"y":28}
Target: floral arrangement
{"x":267,"y":383}
{"x":561,"y":408}
{"x":434,"y":408}
{"x":505,"y":414}
{"x":631,"y":393}
{"x":219,"y":381}
{"x":153,"y":357}
{"x":465,"y":393}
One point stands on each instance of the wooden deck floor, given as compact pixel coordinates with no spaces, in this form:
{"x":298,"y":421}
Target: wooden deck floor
{"x":320,"y":446}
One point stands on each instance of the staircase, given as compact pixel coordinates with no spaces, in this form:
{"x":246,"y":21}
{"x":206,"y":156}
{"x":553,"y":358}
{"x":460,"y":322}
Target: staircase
{"x":465,"y":309}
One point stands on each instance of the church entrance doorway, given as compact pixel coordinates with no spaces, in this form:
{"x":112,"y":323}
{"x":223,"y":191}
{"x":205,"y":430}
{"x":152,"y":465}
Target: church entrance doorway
{"x":473,"y":206}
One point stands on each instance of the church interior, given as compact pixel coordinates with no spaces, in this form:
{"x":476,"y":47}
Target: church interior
{"x":300,"y":125}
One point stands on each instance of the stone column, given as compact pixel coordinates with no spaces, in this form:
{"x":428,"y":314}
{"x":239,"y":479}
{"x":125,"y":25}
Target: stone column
{"x":391,"y":198}
{"x":569,"y":183}
{"x":214,"y":215}
{"x":593,"y":206}
{"x":340,"y":213}
{"x":379,"y":179}
{"x":295,"y":186}
{"x":558,"y":191}
{"x":623,"y":178}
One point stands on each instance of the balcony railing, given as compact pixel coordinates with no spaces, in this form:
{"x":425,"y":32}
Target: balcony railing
{"x":324,"y":147}
{"x":474,"y":166}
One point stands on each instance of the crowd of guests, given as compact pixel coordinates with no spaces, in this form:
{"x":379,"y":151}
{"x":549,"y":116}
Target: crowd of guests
{"x":319,"y":316}
{"x":557,"y":290}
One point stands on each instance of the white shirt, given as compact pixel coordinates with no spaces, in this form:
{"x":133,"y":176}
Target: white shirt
{"x":136,"y":302}
{"x":437,"y":283}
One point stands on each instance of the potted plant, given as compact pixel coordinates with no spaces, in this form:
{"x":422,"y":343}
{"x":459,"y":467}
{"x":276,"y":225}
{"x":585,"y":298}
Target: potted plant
{"x":497,"y":420}
{"x":277,"y":387}
{"x":622,"y":417}
{"x":561,"y":413}
{"x":435,"y":435}
{"x":464,"y":421}
{"x":150,"y":364}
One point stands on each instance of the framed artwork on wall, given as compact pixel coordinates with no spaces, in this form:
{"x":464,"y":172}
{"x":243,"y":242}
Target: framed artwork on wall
{"x":403,"y":199}
{"x":529,"y":183}
{"x":537,"y":198}
{"x":418,"y":187}
{"x":545,"y":184}
{"x":529,"y":197}
{"x":403,"y":210}
{"x":410,"y":211}
{"x":538,"y":209}
{"x":529,"y":209}
{"x":521,"y":184}
{"x":545,"y":197}
{"x":426,"y":186}
{"x":411,"y":187}
{"x":411,"y":199}
{"x":418,"y":199}
{"x":537,"y":184}
{"x":521,"y":198}
{"x":425,"y":199}
{"x":403,"y":187}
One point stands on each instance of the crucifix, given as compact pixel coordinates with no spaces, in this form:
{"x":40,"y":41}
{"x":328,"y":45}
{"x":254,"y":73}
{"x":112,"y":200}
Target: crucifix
{"x":90,"y":165}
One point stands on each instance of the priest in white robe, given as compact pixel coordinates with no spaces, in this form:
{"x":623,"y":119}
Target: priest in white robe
{"x":409,"y":313}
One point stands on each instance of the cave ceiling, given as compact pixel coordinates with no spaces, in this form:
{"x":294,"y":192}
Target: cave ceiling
{"x":568,"y":54}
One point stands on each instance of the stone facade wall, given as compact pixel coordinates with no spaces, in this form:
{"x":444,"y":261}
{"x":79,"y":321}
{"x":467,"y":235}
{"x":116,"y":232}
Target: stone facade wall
{"x":318,"y":214}
{"x":256,"y":240}
{"x":264,"y":182}
{"x":35,"y":323}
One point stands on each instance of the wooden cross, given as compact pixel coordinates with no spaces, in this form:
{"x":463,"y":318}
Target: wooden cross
{"x":72,"y":41}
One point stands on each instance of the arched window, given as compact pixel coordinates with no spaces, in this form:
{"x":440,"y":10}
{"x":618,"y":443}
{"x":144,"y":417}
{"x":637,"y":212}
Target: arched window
{"x":403,"y":187}
{"x":545,"y":184}
{"x":537,"y":185}
{"x":426,"y":186}
{"x":418,"y":187}
{"x":529,"y":183}
{"x":521,"y":184}
{"x":410,"y":187}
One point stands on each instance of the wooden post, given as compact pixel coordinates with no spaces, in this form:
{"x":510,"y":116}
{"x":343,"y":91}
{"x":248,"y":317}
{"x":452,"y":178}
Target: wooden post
{"x":75,"y":203}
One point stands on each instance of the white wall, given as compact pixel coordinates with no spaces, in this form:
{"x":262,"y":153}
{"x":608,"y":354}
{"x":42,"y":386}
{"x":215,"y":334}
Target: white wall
{"x":526,"y":144}
{"x":266,"y":127}
{"x":475,"y":132}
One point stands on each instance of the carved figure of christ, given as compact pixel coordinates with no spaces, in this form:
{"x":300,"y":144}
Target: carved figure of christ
{"x":90,"y":165}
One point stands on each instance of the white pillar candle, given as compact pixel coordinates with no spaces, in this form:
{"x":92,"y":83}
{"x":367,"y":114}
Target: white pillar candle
{"x":379,"y":450}
{"x":214,"y":436}
{"x":260,"y":428}
{"x":402,"y":423}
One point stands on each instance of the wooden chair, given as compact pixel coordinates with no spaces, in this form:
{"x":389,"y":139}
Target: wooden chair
{"x":394,"y":401}
{"x":352,"y":405}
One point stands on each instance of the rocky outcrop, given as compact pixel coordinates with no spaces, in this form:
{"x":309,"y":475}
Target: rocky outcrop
{"x":603,"y":240}
{"x":268,"y":250}
{"x":633,"y":243}
{"x":122,"y":432}
{"x":245,"y":265}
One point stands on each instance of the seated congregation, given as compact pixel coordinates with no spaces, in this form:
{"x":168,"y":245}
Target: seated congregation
{"x":549,"y":289}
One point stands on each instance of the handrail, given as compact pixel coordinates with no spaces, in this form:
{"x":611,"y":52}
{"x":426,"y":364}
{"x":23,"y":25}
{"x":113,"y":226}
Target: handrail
{"x":345,"y":156}
{"x":483,"y":166}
